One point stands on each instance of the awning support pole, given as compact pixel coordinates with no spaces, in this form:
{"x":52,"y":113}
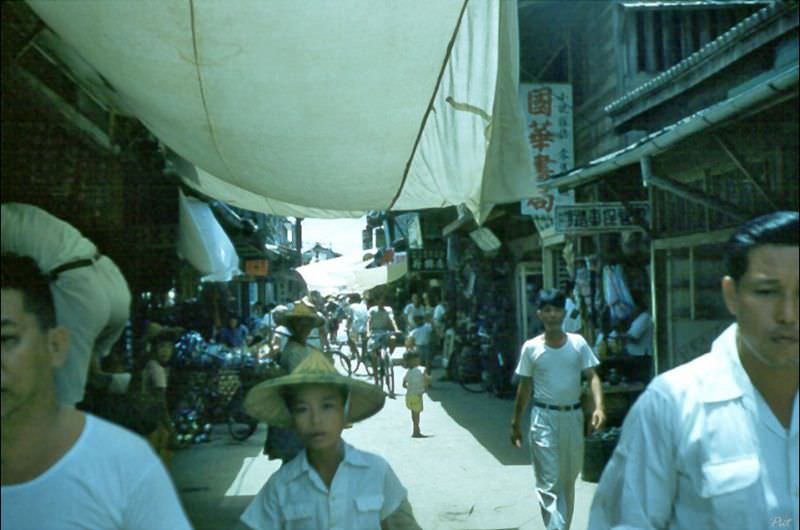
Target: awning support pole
{"x":688,"y":193}
{"x":740,"y":164}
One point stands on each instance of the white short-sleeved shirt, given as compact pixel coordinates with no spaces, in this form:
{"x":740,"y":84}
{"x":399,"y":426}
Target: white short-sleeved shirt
{"x":155,"y":376}
{"x":556,"y":372}
{"x":380,"y":319}
{"x":364,"y":491}
{"x":422,"y":334}
{"x":415,"y":381}
{"x":413,"y":311}
{"x":700,"y":448}
{"x":640,"y":335}
{"x":110,"y":478}
{"x":49,"y":241}
{"x":358,"y":316}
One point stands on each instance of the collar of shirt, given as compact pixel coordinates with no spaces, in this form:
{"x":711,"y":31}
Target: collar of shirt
{"x":731,"y":381}
{"x":352,"y":457}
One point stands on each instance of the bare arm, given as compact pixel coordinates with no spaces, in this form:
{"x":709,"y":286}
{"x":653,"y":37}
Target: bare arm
{"x":520,"y":404}
{"x":401,"y":519}
{"x":596,"y":385}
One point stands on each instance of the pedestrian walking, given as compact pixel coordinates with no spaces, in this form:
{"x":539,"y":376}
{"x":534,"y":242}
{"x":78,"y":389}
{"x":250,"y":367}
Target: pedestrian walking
{"x":91,"y":295}
{"x":415,"y":382}
{"x":331,"y":484}
{"x":713,"y":443}
{"x":411,"y":311}
{"x":63,"y":468}
{"x":553,"y":362}
{"x":299,"y":319}
{"x":420,"y":339}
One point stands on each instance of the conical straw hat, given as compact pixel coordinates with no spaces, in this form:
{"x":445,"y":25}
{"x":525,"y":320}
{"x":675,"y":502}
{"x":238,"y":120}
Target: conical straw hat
{"x":265,"y":402}
{"x":297,"y":309}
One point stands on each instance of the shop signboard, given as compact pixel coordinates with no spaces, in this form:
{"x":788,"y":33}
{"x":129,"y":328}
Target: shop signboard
{"x":548,"y":114}
{"x":427,"y":260}
{"x":598,"y":217}
{"x":256,"y":267}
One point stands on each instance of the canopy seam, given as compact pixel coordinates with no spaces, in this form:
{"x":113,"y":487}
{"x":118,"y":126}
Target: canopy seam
{"x":430,"y":104}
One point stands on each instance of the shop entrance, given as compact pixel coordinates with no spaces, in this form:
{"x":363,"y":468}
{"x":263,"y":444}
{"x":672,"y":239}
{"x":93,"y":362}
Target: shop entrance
{"x":528,"y":280}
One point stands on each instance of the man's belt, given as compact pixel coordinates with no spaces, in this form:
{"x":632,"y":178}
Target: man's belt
{"x":556,"y":407}
{"x":77,"y":264}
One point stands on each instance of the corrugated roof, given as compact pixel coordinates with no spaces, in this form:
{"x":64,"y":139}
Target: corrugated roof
{"x":712,"y":47}
{"x":777,"y":83}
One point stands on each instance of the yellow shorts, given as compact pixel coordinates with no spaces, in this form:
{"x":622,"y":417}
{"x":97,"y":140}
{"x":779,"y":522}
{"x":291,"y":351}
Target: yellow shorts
{"x":414,"y":402}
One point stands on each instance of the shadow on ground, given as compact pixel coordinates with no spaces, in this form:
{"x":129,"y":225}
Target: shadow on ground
{"x":485,"y":416}
{"x":202,"y":488}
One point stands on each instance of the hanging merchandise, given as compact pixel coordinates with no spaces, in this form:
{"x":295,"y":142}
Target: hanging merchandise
{"x":617,"y":296}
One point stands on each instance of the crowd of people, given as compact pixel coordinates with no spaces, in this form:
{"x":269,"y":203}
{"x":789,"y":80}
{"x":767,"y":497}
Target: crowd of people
{"x":710,"y":444}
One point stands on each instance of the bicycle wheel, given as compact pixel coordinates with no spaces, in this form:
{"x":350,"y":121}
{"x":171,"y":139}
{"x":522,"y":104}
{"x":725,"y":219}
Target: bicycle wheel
{"x":342,"y":362}
{"x":240,"y":424}
{"x":469,"y":373}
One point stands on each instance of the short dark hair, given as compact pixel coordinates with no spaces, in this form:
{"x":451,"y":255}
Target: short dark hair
{"x":22,"y":274}
{"x":554,"y":297}
{"x":777,"y":228}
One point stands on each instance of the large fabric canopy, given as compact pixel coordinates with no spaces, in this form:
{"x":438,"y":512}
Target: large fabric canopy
{"x":314,"y":109}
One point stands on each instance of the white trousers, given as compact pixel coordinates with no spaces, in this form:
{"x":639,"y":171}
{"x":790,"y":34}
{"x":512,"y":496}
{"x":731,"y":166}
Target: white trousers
{"x":93,"y":303}
{"x":556,"y":445}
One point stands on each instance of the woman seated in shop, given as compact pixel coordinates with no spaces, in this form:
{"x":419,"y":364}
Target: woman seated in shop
{"x":234,"y":335}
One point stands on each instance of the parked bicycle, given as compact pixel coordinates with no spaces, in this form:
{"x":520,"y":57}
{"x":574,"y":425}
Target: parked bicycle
{"x":478,"y":364}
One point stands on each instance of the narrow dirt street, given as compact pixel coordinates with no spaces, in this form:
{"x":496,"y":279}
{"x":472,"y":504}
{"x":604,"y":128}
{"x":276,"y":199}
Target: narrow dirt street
{"x":464,"y":476}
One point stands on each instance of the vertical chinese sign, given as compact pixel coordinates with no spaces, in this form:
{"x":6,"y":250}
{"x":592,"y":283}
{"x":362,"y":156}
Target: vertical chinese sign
{"x":548,"y":113}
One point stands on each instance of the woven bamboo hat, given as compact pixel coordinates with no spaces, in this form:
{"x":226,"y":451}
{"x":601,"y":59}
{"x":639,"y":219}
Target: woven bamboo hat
{"x":265,"y":400}
{"x":297,"y":309}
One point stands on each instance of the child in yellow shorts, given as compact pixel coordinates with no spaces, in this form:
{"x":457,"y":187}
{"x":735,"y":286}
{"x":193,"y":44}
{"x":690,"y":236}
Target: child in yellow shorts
{"x":415,"y":382}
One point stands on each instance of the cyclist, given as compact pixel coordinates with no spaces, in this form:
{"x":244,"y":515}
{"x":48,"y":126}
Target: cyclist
{"x":357,"y":313}
{"x":381,"y":330}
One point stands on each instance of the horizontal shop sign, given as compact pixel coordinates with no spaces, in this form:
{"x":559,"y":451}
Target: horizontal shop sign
{"x":256,"y":267}
{"x":593,"y":217}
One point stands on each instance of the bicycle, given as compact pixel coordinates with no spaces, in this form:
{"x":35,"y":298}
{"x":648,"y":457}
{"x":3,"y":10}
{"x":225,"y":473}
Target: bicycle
{"x":381,"y":361}
{"x":360,"y":357}
{"x":341,"y":361}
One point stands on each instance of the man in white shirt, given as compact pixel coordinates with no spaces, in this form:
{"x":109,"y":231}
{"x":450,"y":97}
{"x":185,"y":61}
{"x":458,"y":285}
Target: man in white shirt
{"x":713,"y":443}
{"x":357,"y":313}
{"x":552,"y":364}
{"x":91,"y":295}
{"x":411,"y":311}
{"x":62,"y":468}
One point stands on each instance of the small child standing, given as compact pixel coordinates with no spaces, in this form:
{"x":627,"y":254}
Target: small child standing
{"x":330,"y":483}
{"x":415,"y":382}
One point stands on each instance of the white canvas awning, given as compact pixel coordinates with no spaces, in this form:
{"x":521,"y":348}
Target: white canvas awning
{"x":203,"y":243}
{"x":315,"y":109}
{"x":349,"y":274}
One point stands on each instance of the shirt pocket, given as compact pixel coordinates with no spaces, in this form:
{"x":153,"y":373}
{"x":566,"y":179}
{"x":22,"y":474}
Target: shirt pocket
{"x":368,"y":511}
{"x":732,"y":489}
{"x":300,"y":516}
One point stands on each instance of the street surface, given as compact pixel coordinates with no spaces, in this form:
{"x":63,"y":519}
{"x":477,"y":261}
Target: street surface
{"x":465,"y":476}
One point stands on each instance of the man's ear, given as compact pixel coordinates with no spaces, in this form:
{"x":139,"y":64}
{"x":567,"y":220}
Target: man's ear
{"x":730,"y":294}
{"x":58,"y":345}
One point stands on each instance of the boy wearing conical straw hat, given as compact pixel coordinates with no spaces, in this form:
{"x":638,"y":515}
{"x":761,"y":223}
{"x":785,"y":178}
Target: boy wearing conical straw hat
{"x":330,"y":484}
